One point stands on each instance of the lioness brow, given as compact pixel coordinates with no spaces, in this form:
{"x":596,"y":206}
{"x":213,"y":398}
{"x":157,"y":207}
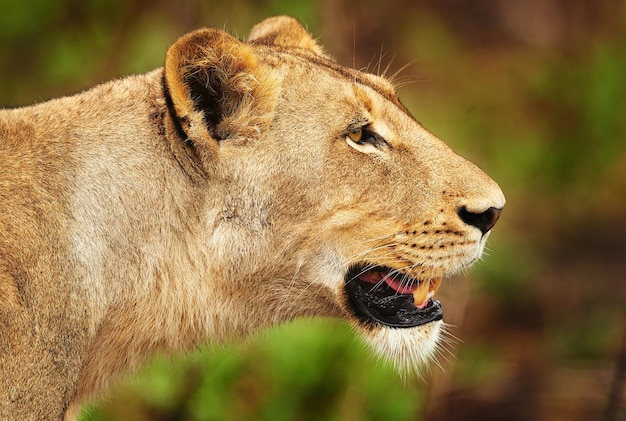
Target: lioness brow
{"x":345,"y":73}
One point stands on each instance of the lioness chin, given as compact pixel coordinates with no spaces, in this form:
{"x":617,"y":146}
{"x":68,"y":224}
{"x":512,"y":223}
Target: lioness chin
{"x":241,"y":185}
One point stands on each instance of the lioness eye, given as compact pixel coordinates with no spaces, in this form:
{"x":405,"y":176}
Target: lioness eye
{"x":363,"y":135}
{"x":355,"y":135}
{"x":365,"y":140}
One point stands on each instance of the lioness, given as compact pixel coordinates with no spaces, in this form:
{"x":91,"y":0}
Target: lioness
{"x":241,"y":185}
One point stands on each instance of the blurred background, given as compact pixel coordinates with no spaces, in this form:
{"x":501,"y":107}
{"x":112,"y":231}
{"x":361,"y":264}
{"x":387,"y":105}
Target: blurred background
{"x":533,"y":91}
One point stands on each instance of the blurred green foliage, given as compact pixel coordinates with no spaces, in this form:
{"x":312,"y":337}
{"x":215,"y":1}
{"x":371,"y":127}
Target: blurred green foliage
{"x":306,"y":370}
{"x":534,"y":92}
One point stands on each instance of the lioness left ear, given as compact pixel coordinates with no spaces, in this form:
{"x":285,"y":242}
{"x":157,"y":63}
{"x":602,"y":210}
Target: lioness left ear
{"x":215,"y":87}
{"x":284,"y":31}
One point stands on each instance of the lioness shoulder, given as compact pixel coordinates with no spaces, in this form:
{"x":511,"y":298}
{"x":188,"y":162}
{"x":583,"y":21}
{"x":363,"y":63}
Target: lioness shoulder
{"x":243,"y":184}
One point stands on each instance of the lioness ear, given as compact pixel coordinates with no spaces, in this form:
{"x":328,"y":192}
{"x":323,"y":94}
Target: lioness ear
{"x":284,"y":31}
{"x":215,"y":87}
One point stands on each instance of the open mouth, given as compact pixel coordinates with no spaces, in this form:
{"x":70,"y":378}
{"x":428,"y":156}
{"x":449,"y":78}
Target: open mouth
{"x":383,"y":296}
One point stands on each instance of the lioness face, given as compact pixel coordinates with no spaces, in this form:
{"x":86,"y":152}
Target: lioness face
{"x":338,"y":200}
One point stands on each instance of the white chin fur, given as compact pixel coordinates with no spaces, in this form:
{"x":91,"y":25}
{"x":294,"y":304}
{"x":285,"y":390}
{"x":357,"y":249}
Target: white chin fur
{"x":409,"y":350}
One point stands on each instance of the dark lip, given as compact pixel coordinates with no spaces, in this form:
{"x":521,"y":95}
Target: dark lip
{"x":381,"y":305}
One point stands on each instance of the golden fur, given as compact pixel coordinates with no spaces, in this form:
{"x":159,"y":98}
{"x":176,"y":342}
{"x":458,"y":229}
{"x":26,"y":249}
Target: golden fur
{"x":208,"y":199}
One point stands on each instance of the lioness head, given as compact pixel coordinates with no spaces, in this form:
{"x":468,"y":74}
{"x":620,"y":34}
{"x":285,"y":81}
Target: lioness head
{"x":328,"y":197}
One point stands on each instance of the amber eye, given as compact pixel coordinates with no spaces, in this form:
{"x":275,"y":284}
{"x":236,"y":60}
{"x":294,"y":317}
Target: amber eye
{"x":364,"y":135}
{"x":365,"y":140}
{"x":356,"y":135}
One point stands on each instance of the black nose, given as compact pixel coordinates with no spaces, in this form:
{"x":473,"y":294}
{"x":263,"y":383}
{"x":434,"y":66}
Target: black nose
{"x":484,"y":221}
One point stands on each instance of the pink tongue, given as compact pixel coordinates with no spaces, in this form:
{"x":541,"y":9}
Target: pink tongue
{"x":395,"y":284}
{"x":399,"y":287}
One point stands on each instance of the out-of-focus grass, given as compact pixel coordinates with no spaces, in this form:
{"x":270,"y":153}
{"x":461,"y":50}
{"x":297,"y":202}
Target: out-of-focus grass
{"x":306,"y":370}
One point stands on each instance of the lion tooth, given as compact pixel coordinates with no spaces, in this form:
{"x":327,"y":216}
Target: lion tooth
{"x":420,"y":295}
{"x":425,"y":291}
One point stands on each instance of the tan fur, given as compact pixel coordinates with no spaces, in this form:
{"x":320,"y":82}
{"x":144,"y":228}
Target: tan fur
{"x":209,"y":199}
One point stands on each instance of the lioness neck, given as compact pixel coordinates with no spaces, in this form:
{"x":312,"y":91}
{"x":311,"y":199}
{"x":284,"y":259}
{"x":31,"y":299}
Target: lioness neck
{"x":136,"y":229}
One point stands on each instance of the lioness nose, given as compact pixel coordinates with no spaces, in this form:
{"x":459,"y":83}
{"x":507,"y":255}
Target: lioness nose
{"x":484,"y":221}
